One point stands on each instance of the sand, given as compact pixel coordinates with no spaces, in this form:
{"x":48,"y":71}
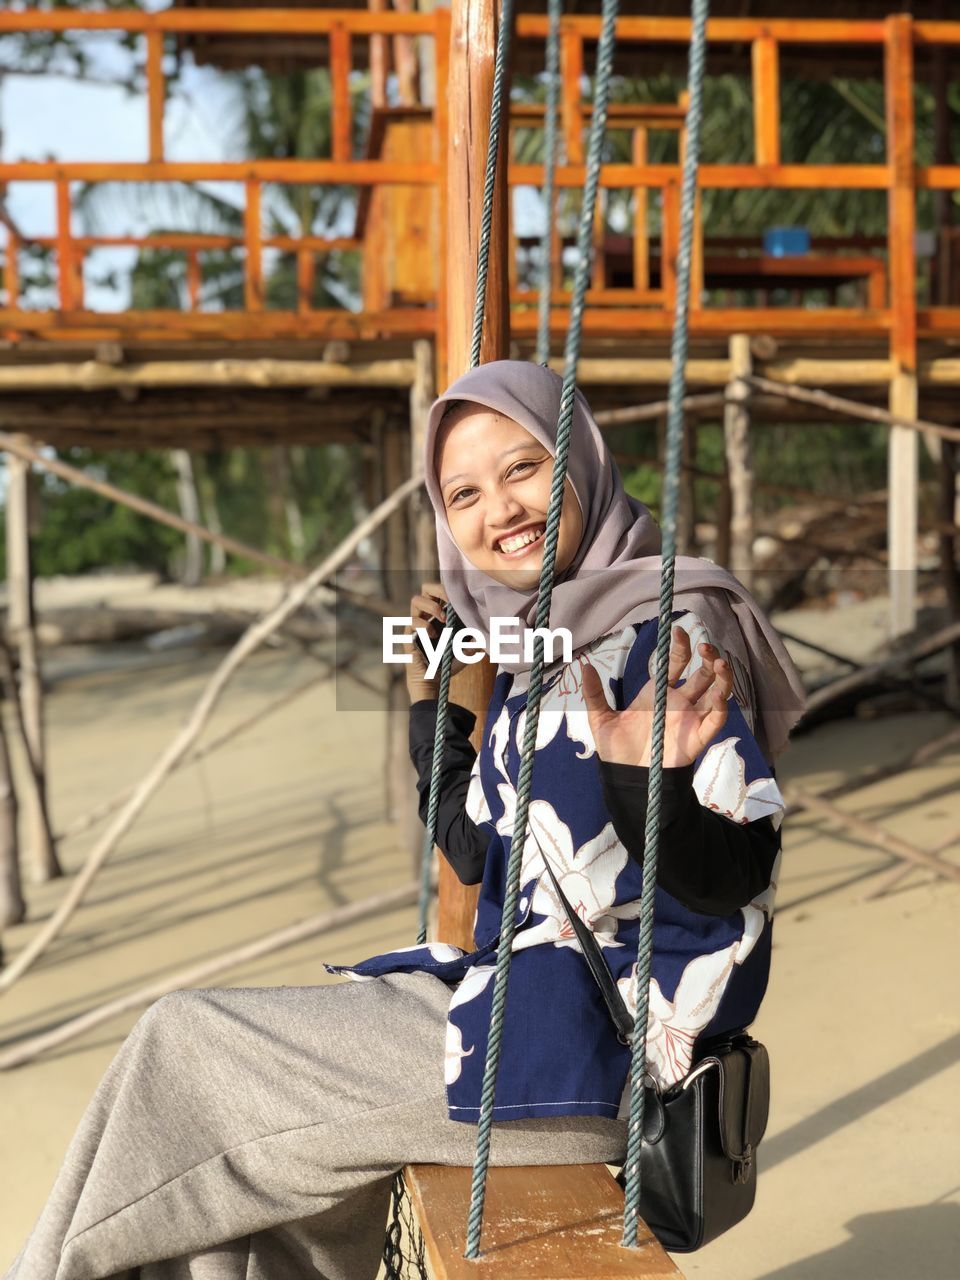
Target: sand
{"x":859,"y":1172}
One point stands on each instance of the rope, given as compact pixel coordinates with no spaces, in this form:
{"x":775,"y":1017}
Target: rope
{"x":545,"y":593}
{"x":550,"y":136}
{"x":671,"y":503}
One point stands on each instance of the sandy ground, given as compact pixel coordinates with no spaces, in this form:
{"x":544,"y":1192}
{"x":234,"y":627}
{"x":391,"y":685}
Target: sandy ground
{"x":859,"y":1169}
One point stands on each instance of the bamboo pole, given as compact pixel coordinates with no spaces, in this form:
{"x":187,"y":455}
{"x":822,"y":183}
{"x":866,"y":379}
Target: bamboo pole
{"x":656,"y":409}
{"x":871,"y":832}
{"x":847,"y":684}
{"x":12,"y":906}
{"x":21,"y":628}
{"x":248,"y":643}
{"x":851,"y":408}
{"x":736,"y":437}
{"x":322,"y":922}
{"x":92,"y":375}
{"x":24,"y":452}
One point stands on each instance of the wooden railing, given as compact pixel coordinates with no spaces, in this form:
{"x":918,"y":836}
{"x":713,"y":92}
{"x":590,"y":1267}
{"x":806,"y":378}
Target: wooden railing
{"x":644,"y":304}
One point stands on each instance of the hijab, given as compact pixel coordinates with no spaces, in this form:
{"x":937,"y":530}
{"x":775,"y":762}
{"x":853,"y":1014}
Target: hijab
{"x":614,"y":577}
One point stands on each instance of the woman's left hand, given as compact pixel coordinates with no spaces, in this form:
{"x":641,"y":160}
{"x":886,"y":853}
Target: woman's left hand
{"x":696,"y":711}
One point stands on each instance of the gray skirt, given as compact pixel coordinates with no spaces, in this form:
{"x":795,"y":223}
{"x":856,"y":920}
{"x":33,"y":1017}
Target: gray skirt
{"x":251,"y":1133}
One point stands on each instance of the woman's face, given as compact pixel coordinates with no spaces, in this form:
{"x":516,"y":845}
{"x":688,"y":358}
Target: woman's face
{"x":495,"y":480}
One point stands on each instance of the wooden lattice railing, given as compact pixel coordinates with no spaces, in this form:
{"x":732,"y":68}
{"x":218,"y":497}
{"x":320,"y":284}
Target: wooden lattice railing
{"x":888,"y":303}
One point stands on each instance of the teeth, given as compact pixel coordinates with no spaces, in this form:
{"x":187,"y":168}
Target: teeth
{"x":514,"y":544}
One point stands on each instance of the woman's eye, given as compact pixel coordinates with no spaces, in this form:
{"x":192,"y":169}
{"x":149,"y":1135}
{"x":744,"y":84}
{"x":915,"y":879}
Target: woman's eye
{"x":520,"y":465}
{"x":460,"y":494}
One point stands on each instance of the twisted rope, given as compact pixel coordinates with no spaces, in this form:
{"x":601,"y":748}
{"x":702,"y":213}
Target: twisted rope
{"x":550,"y":136}
{"x":545,"y":592}
{"x":671,"y":503}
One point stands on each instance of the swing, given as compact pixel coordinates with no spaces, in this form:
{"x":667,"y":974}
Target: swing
{"x":559,"y":1222}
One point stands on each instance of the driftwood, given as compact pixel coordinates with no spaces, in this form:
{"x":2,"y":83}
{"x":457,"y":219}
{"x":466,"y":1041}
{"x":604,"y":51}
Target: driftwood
{"x":851,"y":408}
{"x":185,"y":738}
{"x":866,"y":675}
{"x":323,"y":922}
{"x":870,"y":831}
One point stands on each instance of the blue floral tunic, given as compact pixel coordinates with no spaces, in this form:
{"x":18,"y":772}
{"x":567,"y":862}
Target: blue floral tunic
{"x":561,"y":1054}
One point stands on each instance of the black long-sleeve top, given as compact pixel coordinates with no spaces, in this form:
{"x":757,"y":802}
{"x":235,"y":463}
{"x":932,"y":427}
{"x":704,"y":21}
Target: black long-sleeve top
{"x":709,"y":863}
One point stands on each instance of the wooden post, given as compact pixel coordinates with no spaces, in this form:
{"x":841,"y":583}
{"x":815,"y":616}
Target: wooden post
{"x":12,"y":906}
{"x":902,"y":448}
{"x":20,"y":627}
{"x":736,"y":434}
{"x":421,"y":513}
{"x":473,"y":38}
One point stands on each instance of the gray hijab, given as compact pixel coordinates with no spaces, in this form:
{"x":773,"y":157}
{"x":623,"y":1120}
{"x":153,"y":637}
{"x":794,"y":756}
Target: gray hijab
{"x":614,"y":578}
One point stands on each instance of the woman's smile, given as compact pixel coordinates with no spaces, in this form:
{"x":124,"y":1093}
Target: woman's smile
{"x":496,"y":479}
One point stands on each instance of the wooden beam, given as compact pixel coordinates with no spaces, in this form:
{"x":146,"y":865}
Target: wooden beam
{"x":91,"y":375}
{"x":472,"y":55}
{"x":253,"y":240}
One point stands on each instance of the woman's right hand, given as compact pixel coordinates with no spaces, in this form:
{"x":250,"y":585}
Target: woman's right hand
{"x":427,"y":609}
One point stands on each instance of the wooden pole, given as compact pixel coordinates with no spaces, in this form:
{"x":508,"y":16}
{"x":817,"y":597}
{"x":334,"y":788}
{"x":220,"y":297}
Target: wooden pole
{"x":736,"y":435}
{"x":21,"y":629}
{"x":12,"y":906}
{"x":473,"y":39}
{"x":902,"y":447}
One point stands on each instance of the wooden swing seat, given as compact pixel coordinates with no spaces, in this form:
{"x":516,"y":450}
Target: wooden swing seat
{"x":549,"y":1222}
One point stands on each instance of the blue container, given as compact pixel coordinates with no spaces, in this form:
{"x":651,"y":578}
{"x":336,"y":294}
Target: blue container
{"x":786,"y":242}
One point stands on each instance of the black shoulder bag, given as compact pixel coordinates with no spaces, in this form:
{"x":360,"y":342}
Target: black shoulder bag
{"x":698,"y":1157}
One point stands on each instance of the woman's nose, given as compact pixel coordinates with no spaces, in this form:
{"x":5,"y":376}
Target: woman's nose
{"x":503,"y":510}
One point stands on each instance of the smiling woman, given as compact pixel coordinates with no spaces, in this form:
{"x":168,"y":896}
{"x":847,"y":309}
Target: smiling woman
{"x":495,"y":479}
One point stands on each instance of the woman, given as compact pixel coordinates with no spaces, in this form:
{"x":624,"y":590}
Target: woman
{"x":253,"y":1132}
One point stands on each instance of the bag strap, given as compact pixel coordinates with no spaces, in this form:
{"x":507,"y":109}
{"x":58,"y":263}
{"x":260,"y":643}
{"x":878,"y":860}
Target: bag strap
{"x":595,"y":961}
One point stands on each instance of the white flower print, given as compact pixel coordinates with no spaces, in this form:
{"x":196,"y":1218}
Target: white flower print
{"x":562,"y":703}
{"x":673,"y":1025}
{"x":587,"y":876}
{"x":475,"y":982}
{"x":476,"y":806}
{"x":721,"y":785}
{"x":757,"y":913}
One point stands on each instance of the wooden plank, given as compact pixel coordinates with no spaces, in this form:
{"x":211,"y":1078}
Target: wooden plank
{"x":736,"y":437}
{"x":378,"y":61}
{"x":90,"y":375}
{"x":766,"y":100}
{"x":556,"y":1222}
{"x":194,"y":279}
{"x":155,"y":94}
{"x":342,"y":144}
{"x":11,"y":270}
